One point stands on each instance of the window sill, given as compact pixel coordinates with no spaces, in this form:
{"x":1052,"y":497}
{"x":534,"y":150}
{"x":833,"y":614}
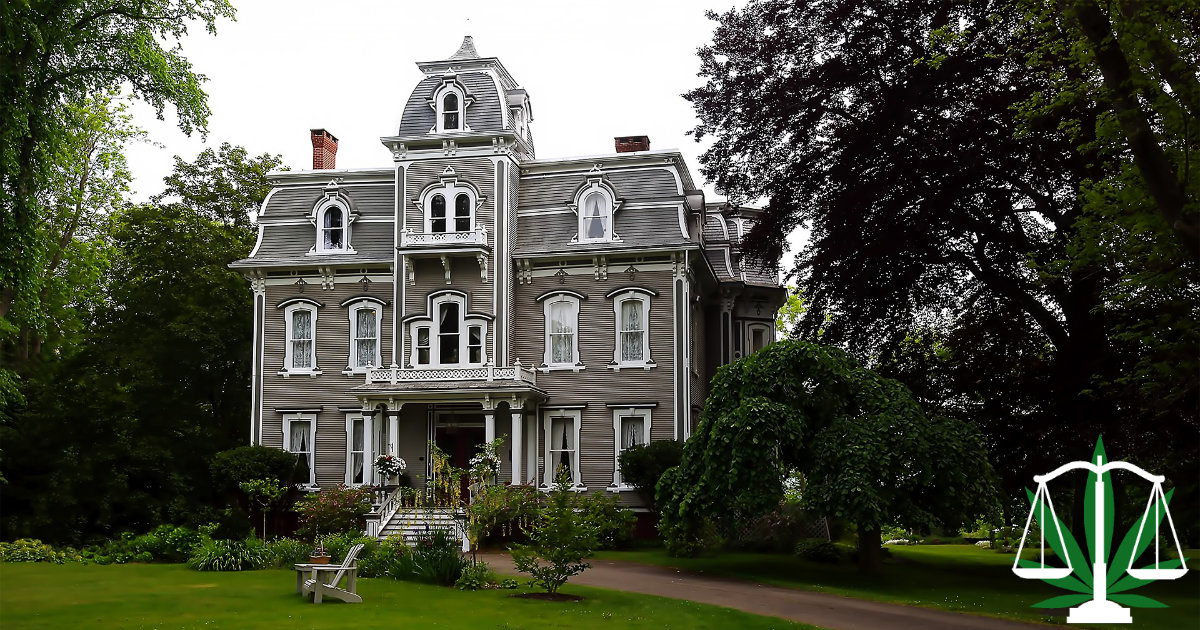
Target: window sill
{"x":358,"y":371}
{"x":308,"y":373}
{"x":578,"y":367}
{"x":308,"y":487}
{"x":647,"y":366}
{"x":329,"y":252}
{"x":621,"y":488}
{"x":548,"y":489}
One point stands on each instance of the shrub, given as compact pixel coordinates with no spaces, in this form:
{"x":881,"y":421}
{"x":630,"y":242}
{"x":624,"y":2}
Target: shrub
{"x":559,"y":541}
{"x":434,"y":558}
{"x":643,"y":465}
{"x":508,"y":583}
{"x":475,"y":576}
{"x":247,"y":463}
{"x":168,"y":543}
{"x":333,"y":511}
{"x":818,"y":550}
{"x":233,"y":524}
{"x":33,"y":550}
{"x":384,"y":559}
{"x":777,"y":531}
{"x":230,"y":555}
{"x":285,"y":552}
{"x":501,"y":513}
{"x":613,"y":523}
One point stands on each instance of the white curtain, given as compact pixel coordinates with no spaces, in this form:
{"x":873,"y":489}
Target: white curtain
{"x":302,"y":339}
{"x":562,"y":332}
{"x":366,"y":337}
{"x":357,"y":444}
{"x":333,"y":228}
{"x":631,"y":431}
{"x":632,"y":329}
{"x":594,"y":216}
{"x":562,"y":443}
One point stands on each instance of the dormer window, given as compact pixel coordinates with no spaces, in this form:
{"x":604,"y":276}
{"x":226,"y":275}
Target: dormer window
{"x":596,"y":206}
{"x":450,"y":112}
{"x":333,"y":217}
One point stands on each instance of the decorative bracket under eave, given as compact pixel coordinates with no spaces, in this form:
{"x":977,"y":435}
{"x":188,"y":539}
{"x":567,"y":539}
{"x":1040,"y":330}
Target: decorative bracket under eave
{"x":446,"y":265}
{"x":410,"y":270}
{"x":600,"y":265}
{"x":483,"y":267}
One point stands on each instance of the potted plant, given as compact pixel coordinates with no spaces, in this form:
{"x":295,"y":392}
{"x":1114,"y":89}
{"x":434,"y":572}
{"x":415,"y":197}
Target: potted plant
{"x":390,"y":468}
{"x":319,"y":555}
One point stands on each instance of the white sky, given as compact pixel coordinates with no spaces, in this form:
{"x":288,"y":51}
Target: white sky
{"x":593,"y":71}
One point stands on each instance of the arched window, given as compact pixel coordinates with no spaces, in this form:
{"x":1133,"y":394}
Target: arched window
{"x":333,"y":228}
{"x":631,"y":340}
{"x":462,"y":213}
{"x":437,"y":214}
{"x":449,"y":336}
{"x":300,"y":327}
{"x":333,"y":219}
{"x":366,"y":317}
{"x":450,"y":112}
{"x":561,"y":310}
{"x":596,"y":207}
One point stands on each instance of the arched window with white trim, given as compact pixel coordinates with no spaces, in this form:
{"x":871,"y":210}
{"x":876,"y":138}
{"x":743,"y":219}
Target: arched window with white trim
{"x":449,"y":336}
{"x":631,"y":335}
{"x":451,"y":114}
{"x":366,"y":316}
{"x":333,"y":218}
{"x":450,"y":102}
{"x":561,"y":311}
{"x":450,"y":207}
{"x":300,"y":337}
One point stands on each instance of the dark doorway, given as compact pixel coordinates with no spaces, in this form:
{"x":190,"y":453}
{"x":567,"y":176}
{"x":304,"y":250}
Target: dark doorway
{"x":460,"y":444}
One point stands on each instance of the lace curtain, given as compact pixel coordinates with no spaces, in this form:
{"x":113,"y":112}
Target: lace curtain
{"x":631,"y":431}
{"x":302,"y":339}
{"x":632,"y":329}
{"x":562,"y":333}
{"x":366,"y":337}
{"x":357,"y":445}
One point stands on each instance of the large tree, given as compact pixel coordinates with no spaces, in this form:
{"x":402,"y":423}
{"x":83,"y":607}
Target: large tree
{"x":53,"y":53}
{"x":960,"y":196}
{"x":868,"y":451}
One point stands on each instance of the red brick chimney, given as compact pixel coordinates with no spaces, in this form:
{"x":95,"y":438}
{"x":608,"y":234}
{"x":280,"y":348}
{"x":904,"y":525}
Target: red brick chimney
{"x":324,"y":149}
{"x":629,"y":144}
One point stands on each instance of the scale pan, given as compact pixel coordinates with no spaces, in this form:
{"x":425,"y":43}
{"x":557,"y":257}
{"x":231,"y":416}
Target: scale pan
{"x":1157,"y":574}
{"x":1045,"y":573}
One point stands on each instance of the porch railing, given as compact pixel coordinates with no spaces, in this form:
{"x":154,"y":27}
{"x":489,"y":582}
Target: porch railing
{"x":411,"y":238}
{"x":384,"y":505}
{"x":487,"y":373}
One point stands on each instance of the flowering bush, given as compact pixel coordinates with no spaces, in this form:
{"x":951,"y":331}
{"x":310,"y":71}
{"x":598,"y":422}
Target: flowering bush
{"x":333,"y":511}
{"x":388,"y":465}
{"x":485,"y":465}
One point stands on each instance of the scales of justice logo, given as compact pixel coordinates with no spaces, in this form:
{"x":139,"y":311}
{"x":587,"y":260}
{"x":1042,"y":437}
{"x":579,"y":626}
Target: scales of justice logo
{"x":1100,"y":588}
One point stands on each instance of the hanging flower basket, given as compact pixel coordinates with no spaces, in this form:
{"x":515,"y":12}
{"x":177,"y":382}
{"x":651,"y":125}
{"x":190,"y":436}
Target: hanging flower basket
{"x":389,"y":466}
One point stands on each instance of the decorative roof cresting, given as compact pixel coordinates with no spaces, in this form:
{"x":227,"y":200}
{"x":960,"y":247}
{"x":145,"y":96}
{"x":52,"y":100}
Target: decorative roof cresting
{"x":466,"y":51}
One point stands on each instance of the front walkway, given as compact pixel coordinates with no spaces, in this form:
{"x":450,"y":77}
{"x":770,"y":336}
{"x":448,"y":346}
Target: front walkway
{"x":834,"y":612}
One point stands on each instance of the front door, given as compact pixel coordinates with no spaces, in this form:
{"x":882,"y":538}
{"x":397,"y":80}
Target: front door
{"x":460,"y":442}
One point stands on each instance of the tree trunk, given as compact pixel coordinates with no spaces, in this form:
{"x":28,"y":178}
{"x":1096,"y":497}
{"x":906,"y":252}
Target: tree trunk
{"x":870,"y":550}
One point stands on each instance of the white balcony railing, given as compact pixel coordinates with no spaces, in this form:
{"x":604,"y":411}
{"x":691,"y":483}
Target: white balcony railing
{"x":410,"y":238}
{"x":485,"y":373}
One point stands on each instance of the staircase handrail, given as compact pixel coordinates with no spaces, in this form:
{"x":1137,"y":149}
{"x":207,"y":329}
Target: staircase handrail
{"x":387,"y":509}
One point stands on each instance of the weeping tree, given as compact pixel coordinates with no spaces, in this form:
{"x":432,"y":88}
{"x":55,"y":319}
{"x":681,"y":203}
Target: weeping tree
{"x":867,"y":449}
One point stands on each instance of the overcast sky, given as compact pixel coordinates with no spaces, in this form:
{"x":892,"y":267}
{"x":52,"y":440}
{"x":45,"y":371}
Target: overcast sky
{"x":593,"y":71}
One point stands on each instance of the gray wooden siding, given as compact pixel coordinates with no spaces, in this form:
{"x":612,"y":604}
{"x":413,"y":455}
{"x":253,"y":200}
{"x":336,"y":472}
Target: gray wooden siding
{"x":328,"y":390}
{"x":487,"y":113}
{"x":369,"y":200}
{"x":597,"y":385}
{"x":291,"y":240}
{"x":630,"y":185}
{"x":637,"y":227}
{"x":478,"y":172}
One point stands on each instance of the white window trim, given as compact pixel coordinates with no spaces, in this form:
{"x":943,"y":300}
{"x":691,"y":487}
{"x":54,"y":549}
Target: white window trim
{"x":618,"y":485}
{"x":288,"y":369}
{"x":618,"y":299}
{"x":352,"y":310}
{"x":547,"y":355}
{"x":439,"y":101}
{"x":319,"y":220}
{"x":595,"y":186}
{"x":311,"y":418}
{"x":368,"y":449}
{"x":450,"y":192}
{"x":547,"y":471}
{"x":465,"y":322}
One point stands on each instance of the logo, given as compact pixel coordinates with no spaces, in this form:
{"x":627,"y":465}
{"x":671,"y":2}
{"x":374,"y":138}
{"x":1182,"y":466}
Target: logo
{"x":1098,"y":577}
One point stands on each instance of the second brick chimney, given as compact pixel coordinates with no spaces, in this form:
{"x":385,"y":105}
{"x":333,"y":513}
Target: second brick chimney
{"x":324,"y":149}
{"x":629,"y":144}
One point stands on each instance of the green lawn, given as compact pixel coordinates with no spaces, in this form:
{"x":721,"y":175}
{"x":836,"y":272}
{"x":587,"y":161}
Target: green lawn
{"x":166,"y":596}
{"x":951,"y":577}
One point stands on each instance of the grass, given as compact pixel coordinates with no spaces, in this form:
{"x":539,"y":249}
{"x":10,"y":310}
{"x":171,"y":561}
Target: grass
{"x":950,"y":577}
{"x":133,"y":596}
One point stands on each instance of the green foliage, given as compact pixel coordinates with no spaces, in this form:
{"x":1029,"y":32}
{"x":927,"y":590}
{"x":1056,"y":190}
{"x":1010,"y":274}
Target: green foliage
{"x":612,"y":523}
{"x":239,"y":465}
{"x":642,"y":465}
{"x":264,"y":493}
{"x":475,"y":576}
{"x":230,"y":555}
{"x":500,"y":513}
{"x":333,"y":511}
{"x":818,"y":550}
{"x":435,"y":559}
{"x":232,"y":524}
{"x":286,"y":552}
{"x":382,"y":558}
{"x":559,"y":540}
{"x":31,"y":550}
{"x":168,"y":543}
{"x":868,"y":452}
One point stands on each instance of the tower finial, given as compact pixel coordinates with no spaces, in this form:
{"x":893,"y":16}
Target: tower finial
{"x":467,"y":50}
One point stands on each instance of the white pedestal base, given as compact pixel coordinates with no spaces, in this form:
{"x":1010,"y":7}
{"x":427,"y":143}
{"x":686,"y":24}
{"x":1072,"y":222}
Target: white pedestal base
{"x":1099,"y":611}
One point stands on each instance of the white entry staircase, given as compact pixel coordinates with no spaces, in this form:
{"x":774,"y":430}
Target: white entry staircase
{"x":388,"y":518}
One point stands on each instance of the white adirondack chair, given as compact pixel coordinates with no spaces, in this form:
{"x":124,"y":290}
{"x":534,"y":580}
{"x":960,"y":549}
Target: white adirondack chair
{"x":320,"y":586}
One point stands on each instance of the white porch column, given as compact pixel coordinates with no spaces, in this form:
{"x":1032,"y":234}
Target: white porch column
{"x":489,"y":425}
{"x":518,"y":444}
{"x":393,"y":445}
